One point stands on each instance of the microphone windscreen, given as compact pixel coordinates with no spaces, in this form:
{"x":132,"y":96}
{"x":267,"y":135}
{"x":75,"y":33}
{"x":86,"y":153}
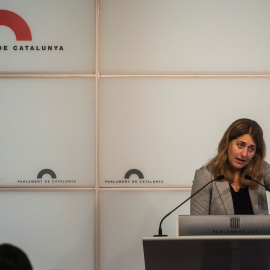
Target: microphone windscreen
{"x":248,"y":177}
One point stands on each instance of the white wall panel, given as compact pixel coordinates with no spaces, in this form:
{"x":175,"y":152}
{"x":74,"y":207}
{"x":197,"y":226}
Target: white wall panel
{"x":128,"y":216}
{"x":55,"y":229}
{"x":168,"y":128}
{"x":184,"y":36}
{"x":62,"y":23}
{"x":47,"y":124}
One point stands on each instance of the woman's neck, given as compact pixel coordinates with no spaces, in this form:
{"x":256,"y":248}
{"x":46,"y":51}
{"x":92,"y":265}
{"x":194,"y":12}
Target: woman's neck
{"x":236,"y":181}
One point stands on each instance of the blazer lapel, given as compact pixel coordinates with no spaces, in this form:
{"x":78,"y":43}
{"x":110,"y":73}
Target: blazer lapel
{"x":225,"y":195}
{"x":253,"y":194}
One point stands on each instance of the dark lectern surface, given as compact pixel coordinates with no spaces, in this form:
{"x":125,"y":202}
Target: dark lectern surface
{"x":207,"y":252}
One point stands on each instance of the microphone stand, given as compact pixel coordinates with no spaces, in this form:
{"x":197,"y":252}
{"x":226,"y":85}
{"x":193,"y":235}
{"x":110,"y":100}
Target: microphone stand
{"x":160,"y":228}
{"x":248,"y":177}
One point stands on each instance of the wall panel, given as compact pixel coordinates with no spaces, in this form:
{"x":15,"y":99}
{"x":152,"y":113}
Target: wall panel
{"x":47,"y":124}
{"x":184,"y":36}
{"x":61,"y":38}
{"x":167,"y":128}
{"x":127,"y":216}
{"x":51,"y":227}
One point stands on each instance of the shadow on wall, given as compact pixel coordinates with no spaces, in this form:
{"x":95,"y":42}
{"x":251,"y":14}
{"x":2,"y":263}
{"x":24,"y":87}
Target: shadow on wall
{"x":13,"y":258}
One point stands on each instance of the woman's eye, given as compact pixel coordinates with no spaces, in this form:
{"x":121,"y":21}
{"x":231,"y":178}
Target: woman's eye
{"x":240,"y":145}
{"x":251,"y":149}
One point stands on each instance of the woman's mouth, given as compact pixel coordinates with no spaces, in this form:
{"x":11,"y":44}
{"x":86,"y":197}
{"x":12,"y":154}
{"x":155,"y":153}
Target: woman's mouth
{"x":240,"y":161}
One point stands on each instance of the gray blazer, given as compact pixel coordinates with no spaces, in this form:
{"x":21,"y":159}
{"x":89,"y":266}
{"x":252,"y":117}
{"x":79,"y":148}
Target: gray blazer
{"x":216,"y":198}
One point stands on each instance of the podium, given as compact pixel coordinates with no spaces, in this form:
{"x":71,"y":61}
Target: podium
{"x":229,"y":252}
{"x":217,"y":242}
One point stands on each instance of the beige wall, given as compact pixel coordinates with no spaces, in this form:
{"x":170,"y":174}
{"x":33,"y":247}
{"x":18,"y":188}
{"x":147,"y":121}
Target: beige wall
{"x":145,"y":85}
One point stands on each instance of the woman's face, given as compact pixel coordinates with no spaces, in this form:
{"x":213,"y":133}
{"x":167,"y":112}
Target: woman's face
{"x":241,"y":151}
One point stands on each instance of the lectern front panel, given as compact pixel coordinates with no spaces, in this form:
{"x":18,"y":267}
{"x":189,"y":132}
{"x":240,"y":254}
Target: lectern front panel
{"x":206,"y":253}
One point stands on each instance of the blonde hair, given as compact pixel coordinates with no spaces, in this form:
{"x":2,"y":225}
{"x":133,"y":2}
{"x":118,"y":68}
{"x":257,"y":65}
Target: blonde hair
{"x":220,"y":164}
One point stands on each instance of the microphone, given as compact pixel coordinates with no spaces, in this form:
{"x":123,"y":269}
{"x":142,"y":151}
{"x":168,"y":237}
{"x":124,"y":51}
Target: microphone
{"x":220,"y":177}
{"x":248,"y":177}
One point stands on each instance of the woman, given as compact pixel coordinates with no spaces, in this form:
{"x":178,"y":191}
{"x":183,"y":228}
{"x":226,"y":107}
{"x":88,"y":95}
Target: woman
{"x":241,"y":151}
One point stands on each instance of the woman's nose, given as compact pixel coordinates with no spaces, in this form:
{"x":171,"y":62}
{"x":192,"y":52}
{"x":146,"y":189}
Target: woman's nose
{"x":244,"y":152}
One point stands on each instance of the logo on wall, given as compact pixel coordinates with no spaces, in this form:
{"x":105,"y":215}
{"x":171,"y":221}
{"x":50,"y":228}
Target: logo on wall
{"x":134,"y":171}
{"x":22,"y":32}
{"x":46,"y":171}
{"x":17,"y":24}
{"x":134,"y":176}
{"x":46,"y":176}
